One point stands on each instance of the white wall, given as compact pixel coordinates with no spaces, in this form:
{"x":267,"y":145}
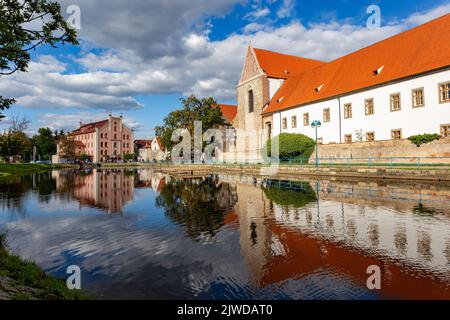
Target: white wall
{"x":274,"y":85}
{"x":427,"y":119}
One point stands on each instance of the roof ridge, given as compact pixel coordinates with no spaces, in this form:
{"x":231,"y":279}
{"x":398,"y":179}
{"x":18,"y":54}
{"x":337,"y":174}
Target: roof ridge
{"x":289,"y":55}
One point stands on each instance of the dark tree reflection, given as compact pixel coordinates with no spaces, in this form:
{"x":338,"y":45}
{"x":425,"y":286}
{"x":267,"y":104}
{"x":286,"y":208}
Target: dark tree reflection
{"x":197,"y":204}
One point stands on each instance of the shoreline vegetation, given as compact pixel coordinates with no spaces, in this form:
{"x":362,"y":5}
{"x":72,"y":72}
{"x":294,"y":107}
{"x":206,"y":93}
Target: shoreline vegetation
{"x":24,"y":280}
{"x":20,"y":169}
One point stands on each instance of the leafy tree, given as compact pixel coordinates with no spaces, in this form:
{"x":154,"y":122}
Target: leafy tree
{"x":194,"y":109}
{"x":25,"y":25}
{"x":14,"y":144}
{"x":66,"y":147}
{"x":291,"y":145}
{"x":45,"y":143}
{"x":129,"y":157}
{"x":83,"y":157}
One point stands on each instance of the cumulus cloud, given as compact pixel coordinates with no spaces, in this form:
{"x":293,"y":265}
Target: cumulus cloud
{"x":158,"y":47}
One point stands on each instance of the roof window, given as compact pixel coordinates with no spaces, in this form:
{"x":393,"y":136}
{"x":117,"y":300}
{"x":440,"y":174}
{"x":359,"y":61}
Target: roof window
{"x":378,"y":71}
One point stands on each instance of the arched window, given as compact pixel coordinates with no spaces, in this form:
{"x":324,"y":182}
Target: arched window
{"x":250,"y":101}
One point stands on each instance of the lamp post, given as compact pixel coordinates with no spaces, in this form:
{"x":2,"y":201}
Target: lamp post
{"x":316,"y":124}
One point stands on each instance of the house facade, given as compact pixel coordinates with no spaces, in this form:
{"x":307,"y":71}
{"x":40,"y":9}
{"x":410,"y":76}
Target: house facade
{"x":391,"y":90}
{"x":106,"y":140}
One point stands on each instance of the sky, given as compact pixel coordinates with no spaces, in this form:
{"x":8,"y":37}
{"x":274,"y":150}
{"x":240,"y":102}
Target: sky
{"x":139,"y":57}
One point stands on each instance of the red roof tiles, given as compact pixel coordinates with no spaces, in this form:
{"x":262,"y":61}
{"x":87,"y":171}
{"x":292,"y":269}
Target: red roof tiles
{"x":419,"y":50}
{"x":228,"y":111}
{"x":283,"y":66}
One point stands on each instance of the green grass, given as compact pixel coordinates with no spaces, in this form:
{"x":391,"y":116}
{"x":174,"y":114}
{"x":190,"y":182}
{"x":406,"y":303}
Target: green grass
{"x":8,"y":169}
{"x":28,"y":274}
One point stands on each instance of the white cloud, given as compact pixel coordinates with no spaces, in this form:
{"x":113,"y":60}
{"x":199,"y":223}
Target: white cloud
{"x":286,"y":9}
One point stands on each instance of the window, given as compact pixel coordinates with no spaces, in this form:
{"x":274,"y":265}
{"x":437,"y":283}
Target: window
{"x":106,"y":136}
{"x":395,"y":102}
{"x":418,"y":98}
{"x":106,"y":144}
{"x":306,"y":119}
{"x":370,"y":136}
{"x":444,"y":92}
{"x":319,"y":140}
{"x":369,"y":105}
{"x":115,"y":136}
{"x":294,"y":121}
{"x":101,"y":135}
{"x":326,"y":115}
{"x":269,"y":130}
{"x":284,"y":123}
{"x":348,"y":138}
{"x":101,"y":144}
{"x":347,"y":110}
{"x":250,"y":101}
{"x":396,"y":134}
{"x":445,"y":130}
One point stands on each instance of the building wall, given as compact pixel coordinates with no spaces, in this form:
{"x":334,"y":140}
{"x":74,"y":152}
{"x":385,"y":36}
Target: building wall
{"x":387,"y":149}
{"x":411,"y":121}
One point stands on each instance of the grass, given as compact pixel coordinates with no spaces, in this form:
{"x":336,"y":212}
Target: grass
{"x":8,"y":169}
{"x":27,"y":274}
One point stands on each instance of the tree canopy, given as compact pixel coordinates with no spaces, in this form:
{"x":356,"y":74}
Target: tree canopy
{"x":45,"y":142}
{"x":290,"y":145}
{"x":25,"y":25}
{"x":194,"y":109}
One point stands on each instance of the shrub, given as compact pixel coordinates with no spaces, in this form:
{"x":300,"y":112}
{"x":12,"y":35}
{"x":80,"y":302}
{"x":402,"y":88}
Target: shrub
{"x":291,"y":145}
{"x":420,"y":139}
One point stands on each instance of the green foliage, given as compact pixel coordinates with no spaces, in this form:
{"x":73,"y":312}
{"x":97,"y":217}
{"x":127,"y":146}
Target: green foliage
{"x":45,"y":142}
{"x":300,"y":195}
{"x":421,"y":139}
{"x":27,"y":273}
{"x":83,"y":157}
{"x":66,"y":147}
{"x":129,"y":157}
{"x":25,"y":25}
{"x":193,"y":109}
{"x":291,"y":145}
{"x":14,"y":143}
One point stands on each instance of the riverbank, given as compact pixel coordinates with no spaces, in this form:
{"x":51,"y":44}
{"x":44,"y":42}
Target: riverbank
{"x":24,"y":280}
{"x":427,"y":174}
{"x":9,"y":169}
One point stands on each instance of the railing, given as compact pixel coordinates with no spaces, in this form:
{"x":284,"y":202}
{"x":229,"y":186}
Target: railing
{"x":329,"y":162}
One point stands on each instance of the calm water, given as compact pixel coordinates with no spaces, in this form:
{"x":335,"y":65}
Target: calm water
{"x":142,"y":234}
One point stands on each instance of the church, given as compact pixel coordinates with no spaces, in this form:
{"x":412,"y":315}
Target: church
{"x":390,"y":90}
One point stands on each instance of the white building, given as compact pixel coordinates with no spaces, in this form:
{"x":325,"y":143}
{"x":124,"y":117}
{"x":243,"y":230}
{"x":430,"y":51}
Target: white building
{"x":393,"y":89}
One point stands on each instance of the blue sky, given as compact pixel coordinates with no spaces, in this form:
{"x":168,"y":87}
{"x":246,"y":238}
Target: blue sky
{"x":137,"y":58}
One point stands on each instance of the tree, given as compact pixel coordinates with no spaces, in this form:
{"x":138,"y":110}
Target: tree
{"x":14,"y":144}
{"x":45,"y":143}
{"x":129,"y":157}
{"x":25,"y":25}
{"x":194,"y":109}
{"x":66,"y":147}
{"x":291,"y":145}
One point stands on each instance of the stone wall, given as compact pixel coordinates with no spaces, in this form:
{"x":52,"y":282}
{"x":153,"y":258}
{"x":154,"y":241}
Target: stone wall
{"x":382,"y":151}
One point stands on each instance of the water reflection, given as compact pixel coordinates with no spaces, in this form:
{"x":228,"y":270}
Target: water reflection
{"x":225,"y":237}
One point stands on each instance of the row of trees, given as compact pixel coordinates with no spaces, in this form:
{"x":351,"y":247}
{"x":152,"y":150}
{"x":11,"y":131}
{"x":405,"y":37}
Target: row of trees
{"x":16,"y":145}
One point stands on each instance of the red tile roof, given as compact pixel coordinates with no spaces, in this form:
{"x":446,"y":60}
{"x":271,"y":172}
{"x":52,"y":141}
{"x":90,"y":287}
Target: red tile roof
{"x":229,"y":111}
{"x":283,"y":66}
{"x":422,"y":49}
{"x":158,"y":140}
{"x":79,"y":144}
{"x":89,"y":127}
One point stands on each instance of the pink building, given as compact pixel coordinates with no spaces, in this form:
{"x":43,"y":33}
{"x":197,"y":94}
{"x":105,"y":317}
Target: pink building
{"x":104,"y":140}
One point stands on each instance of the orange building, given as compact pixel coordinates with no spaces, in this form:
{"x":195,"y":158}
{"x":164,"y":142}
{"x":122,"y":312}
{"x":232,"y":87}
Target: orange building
{"x":106,"y":140}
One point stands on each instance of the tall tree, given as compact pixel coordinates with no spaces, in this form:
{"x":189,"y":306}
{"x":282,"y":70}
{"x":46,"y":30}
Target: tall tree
{"x":66,"y":147}
{"x":194,"y":109}
{"x":25,"y":25}
{"x":45,"y":143}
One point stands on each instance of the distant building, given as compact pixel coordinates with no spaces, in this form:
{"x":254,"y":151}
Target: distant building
{"x":106,"y":140}
{"x":152,"y":150}
{"x":140,"y":148}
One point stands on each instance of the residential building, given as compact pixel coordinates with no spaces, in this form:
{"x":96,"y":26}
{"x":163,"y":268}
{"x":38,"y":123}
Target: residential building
{"x":106,"y":140}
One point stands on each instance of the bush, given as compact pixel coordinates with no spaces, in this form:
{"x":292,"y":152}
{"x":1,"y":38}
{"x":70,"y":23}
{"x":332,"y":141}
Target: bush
{"x":291,"y":145}
{"x":420,"y":139}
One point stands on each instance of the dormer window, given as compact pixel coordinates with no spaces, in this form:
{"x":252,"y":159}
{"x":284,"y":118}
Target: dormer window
{"x":286,"y":71}
{"x":378,"y":71}
{"x":280,"y":99}
{"x":319,"y":88}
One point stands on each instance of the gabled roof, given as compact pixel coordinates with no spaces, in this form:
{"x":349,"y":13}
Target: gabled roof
{"x":283,"y":66}
{"x":419,"y":50}
{"x":229,"y":111}
{"x":89,"y":127}
{"x":160,"y":144}
{"x":79,"y":144}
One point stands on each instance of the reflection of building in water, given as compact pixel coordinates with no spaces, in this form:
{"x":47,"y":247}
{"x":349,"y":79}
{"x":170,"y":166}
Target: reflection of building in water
{"x":340,"y":234}
{"x":106,"y":189}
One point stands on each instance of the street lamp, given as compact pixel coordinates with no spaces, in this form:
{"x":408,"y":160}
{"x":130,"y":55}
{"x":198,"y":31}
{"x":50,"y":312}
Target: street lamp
{"x":316,"y":124}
